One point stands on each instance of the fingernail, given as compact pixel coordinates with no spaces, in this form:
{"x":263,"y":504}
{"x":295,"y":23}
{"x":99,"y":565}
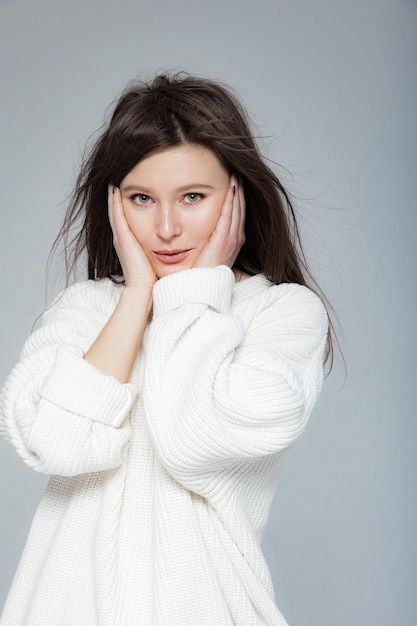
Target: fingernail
{"x":234,"y":189}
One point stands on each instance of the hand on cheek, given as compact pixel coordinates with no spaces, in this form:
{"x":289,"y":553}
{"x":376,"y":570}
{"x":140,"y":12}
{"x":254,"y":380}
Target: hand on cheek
{"x":229,"y":235}
{"x":137,"y":270}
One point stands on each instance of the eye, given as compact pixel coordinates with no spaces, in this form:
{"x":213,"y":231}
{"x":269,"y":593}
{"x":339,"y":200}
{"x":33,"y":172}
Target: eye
{"x":141,"y":198}
{"x":192,"y":198}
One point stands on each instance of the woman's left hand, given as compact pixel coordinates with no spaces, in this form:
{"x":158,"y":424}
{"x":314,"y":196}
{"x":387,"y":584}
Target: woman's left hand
{"x":229,"y":235}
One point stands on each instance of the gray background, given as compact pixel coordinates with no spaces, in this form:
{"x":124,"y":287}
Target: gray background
{"x":332,"y":86}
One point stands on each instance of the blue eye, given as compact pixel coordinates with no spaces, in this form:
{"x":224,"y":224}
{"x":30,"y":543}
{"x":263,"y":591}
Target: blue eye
{"x":192,"y":198}
{"x":141,"y":198}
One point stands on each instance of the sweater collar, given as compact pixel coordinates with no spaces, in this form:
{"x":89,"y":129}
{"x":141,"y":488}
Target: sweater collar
{"x":250,"y":286}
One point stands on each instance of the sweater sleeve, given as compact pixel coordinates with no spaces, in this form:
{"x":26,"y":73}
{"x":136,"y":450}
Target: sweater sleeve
{"x":63,"y":415}
{"x":223,"y":387}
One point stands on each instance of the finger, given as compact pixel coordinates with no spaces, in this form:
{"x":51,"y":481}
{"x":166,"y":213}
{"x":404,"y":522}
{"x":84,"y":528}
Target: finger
{"x":121,"y":228}
{"x":227,"y":209}
{"x":236,"y":216}
{"x":116,"y":212}
{"x":110,"y":194}
{"x":242,"y":203}
{"x":223,"y":224}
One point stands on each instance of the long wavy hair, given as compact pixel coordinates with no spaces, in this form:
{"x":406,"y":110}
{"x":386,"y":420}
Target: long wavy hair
{"x":172,"y":110}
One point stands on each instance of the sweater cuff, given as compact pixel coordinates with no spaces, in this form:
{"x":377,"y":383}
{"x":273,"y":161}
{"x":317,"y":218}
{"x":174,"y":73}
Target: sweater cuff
{"x":77,"y":386}
{"x":212,"y":286}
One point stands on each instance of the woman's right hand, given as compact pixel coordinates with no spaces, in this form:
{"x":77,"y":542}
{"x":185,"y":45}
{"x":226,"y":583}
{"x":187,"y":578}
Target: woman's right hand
{"x":137,"y":270}
{"x":116,"y":347}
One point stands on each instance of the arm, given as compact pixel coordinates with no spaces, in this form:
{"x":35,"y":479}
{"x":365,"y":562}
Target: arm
{"x":116,"y":347}
{"x":62,"y":414}
{"x":224,"y":385}
{"x":65,"y":405}
{"x":221,"y":387}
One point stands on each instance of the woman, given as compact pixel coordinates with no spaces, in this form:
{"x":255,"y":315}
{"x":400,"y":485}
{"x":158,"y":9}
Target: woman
{"x":163,"y":392}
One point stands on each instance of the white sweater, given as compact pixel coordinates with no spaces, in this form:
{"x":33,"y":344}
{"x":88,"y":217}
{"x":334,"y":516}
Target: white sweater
{"x":161,"y":488}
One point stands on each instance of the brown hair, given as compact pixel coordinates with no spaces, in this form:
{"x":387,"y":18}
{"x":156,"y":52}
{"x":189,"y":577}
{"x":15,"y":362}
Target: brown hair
{"x":170,"y":110}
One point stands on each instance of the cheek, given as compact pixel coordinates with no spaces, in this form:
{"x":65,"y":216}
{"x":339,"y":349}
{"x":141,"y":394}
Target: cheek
{"x":139,"y":225}
{"x":205,"y":223}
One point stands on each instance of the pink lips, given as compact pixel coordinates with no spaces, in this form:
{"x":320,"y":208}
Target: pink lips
{"x":171,"y":256}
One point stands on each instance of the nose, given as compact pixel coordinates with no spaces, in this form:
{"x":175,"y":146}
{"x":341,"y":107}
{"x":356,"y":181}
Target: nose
{"x":168,"y":223}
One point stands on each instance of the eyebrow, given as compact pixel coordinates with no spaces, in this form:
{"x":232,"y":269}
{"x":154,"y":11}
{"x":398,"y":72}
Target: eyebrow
{"x":143,"y":189}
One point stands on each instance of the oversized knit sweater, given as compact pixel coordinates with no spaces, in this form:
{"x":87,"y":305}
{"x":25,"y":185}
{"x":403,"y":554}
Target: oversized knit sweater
{"x":161,"y":487}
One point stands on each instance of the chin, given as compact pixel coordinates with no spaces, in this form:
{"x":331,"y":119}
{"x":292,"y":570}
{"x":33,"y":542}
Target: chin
{"x":170,"y":269}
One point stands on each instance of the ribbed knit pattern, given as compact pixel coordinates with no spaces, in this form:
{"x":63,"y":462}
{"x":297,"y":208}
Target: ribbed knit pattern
{"x":161,"y":488}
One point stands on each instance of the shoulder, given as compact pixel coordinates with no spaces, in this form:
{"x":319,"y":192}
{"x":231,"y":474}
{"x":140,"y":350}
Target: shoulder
{"x":76,"y":315}
{"x":298,"y":301}
{"x":288,"y":302}
{"x":99,"y":295}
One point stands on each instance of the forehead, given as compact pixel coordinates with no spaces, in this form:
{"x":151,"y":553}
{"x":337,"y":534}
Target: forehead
{"x":178,"y":163}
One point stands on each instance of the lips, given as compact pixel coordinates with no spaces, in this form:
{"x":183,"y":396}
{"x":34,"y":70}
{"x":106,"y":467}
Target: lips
{"x":171,"y":256}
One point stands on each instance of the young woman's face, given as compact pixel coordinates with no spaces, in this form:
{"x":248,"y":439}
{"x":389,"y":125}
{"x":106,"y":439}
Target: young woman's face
{"x":172,"y":201}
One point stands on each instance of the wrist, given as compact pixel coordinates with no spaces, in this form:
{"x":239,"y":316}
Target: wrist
{"x":212,"y":286}
{"x":137,"y":296}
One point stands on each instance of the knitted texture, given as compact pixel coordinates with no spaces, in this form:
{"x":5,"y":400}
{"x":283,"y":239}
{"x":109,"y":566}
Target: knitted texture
{"x":161,"y":487}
